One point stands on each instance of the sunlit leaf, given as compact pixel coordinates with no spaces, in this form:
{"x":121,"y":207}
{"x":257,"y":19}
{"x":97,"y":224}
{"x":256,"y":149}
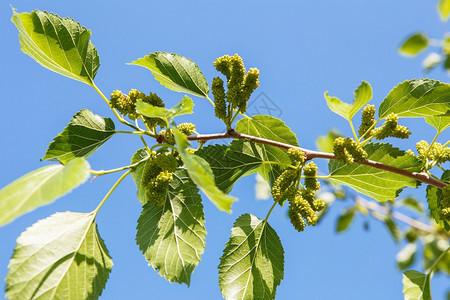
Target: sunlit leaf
{"x":440,"y":123}
{"x":378,"y":184}
{"x":137,"y":172}
{"x":416,"y":286}
{"x":60,"y":257}
{"x":417,"y":98}
{"x":363,"y":94}
{"x":271,"y":128}
{"x":201,"y":174}
{"x":41,"y":187}
{"x":172,"y":237}
{"x":175,"y":72}
{"x":414,"y":44}
{"x":252,"y":264}
{"x":431,"y":61}
{"x":85,"y":133}
{"x":185,"y":106}
{"x":58,"y":44}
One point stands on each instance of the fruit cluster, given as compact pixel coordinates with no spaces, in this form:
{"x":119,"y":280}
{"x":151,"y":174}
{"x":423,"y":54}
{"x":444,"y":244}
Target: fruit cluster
{"x":240,"y":86}
{"x":158,"y":175}
{"x":126,"y":105}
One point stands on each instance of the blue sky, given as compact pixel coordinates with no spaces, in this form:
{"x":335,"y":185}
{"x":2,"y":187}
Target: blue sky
{"x":302,"y":49}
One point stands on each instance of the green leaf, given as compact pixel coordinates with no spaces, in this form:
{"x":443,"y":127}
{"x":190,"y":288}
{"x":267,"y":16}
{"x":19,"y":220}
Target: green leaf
{"x":378,"y":184}
{"x":393,"y":228}
{"x":417,"y":98}
{"x":405,"y":257}
{"x":175,"y":72}
{"x":325,"y":142}
{"x":271,"y":128}
{"x":85,"y":133}
{"x":201,"y":174}
{"x":138,"y":171}
{"x":414,"y":44}
{"x":412,"y":203}
{"x":172,"y":237}
{"x":363,"y":94}
{"x":416,"y":286}
{"x":58,"y":44}
{"x":252,"y":264}
{"x":185,"y":106}
{"x":433,"y":247}
{"x":230,"y":163}
{"x":434,"y":197}
{"x":41,"y":187}
{"x":440,"y":123}
{"x":345,"y":219}
{"x":444,"y":9}
{"x":60,"y":257}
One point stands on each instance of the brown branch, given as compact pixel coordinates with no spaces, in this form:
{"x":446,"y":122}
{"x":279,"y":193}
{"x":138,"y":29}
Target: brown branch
{"x":310,"y":154}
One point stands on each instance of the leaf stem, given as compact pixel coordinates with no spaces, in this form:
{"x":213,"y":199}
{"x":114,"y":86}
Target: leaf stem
{"x":103,"y":172}
{"x":111,"y":190}
{"x":353,"y":129}
{"x":270,"y":211}
{"x":438,"y":260}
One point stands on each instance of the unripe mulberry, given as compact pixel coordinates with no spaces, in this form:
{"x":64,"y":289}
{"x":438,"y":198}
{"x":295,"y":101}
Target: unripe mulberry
{"x":310,"y":172}
{"x":296,"y":155}
{"x":186,"y":128}
{"x":223,"y":65}
{"x":348,"y":150}
{"x":296,"y":219}
{"x":220,"y":106}
{"x":367,"y":119}
{"x":251,"y":82}
{"x":282,"y":183}
{"x":122,"y":103}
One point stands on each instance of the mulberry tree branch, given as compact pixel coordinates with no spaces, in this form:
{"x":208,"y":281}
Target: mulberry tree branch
{"x":310,"y":154}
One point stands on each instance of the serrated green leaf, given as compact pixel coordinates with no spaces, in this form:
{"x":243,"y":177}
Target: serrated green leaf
{"x":414,"y":44}
{"x":325,"y":142}
{"x":434,"y":197}
{"x":345,"y":219}
{"x":439,"y":122}
{"x":60,"y":257}
{"x":175,"y":72}
{"x":85,"y":133}
{"x":138,"y":171}
{"x":378,"y":184}
{"x":252,"y":264}
{"x":58,"y":44}
{"x":201,"y":174}
{"x":271,"y":128}
{"x":416,"y":286}
{"x":417,"y":98}
{"x":172,"y":237}
{"x":444,"y":9}
{"x":41,"y":187}
{"x":393,"y":228}
{"x":363,"y":94}
{"x":185,"y":106}
{"x":405,"y":257}
{"x":230,"y":163}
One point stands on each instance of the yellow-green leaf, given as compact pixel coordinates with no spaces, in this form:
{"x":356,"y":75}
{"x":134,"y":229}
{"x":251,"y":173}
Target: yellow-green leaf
{"x":58,"y":44}
{"x":414,"y":44}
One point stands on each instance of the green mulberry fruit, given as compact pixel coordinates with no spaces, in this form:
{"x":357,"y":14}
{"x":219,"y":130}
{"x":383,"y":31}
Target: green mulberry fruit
{"x":296,"y":155}
{"x":367,"y":120}
{"x":186,"y":128}
{"x":220,"y":106}
{"x":282,"y":183}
